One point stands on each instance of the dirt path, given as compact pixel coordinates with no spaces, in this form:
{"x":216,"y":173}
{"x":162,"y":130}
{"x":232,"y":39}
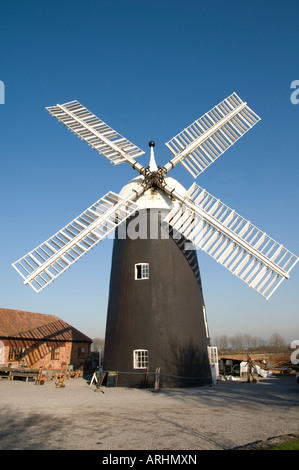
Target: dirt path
{"x":225,"y":416}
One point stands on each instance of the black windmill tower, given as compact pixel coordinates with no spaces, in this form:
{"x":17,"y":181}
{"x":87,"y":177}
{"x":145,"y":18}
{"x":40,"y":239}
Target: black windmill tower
{"x":156,"y":313}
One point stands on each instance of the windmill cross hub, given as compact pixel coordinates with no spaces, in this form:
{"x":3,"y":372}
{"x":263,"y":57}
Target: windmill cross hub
{"x":153,"y":177}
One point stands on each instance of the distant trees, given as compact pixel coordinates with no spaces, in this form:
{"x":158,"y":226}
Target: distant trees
{"x":277,"y":343}
{"x":238,"y":342}
{"x":246,"y":342}
{"x":97,"y":344}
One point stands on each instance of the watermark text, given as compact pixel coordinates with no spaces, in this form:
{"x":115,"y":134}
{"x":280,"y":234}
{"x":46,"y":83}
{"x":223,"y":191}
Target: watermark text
{"x":295,"y":354}
{"x":295,"y":94}
{"x":2,"y":92}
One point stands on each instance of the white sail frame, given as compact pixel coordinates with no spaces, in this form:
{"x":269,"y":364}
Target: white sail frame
{"x":200,"y":144}
{"x":231,"y":240}
{"x":49,"y":260}
{"x":97,"y":133}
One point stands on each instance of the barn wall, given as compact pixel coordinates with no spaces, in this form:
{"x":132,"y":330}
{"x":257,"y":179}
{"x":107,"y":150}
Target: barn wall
{"x":36,"y":353}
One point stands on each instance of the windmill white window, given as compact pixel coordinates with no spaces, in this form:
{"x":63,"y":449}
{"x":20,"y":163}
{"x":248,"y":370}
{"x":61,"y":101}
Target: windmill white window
{"x":142,"y":271}
{"x":140,"y":358}
{"x":206,"y":321}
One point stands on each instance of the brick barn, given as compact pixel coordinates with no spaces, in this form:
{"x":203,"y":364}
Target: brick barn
{"x":34,"y":339}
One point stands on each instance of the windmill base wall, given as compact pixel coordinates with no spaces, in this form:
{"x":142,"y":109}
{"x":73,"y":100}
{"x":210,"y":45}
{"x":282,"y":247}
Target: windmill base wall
{"x":163,"y":315}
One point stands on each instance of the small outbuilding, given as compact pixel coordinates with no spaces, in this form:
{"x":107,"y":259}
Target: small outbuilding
{"x":34,"y":339}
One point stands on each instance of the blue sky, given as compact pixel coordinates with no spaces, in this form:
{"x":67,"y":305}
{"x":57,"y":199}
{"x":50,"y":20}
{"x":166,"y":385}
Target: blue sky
{"x":148,"y":69}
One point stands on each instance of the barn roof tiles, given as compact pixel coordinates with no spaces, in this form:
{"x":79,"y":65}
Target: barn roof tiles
{"x":31,"y":325}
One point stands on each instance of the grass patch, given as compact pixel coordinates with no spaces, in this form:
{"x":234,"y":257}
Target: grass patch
{"x":293,"y":445}
{"x":285,"y":442}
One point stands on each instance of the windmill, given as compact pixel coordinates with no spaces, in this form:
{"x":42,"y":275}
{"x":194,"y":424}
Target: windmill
{"x":156,"y":313}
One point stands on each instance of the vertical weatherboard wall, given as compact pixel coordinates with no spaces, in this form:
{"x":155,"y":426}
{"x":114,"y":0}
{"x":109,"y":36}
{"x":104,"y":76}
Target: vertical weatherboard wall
{"x":163,"y":314}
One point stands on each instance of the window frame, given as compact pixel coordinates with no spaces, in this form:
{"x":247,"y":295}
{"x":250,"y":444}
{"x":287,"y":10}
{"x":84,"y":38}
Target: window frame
{"x":81,"y":352}
{"x":55,"y":353}
{"x":16,"y":353}
{"x":144,"y":271}
{"x":140,"y":359}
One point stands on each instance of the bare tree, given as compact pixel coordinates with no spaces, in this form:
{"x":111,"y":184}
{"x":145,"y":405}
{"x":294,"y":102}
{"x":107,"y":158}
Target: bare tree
{"x":237,"y":342}
{"x":245,"y":342}
{"x":258,"y":343}
{"x":277,"y":343}
{"x":97,"y":344}
{"x":222,"y":342}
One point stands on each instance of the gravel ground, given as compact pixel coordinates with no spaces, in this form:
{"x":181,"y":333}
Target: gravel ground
{"x":79,"y":417}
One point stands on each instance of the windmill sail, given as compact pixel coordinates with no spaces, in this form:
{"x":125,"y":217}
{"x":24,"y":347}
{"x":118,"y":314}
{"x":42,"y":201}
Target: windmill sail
{"x":200,"y":144}
{"x":233,"y":241}
{"x":46,"y":262}
{"x":96,"y":133}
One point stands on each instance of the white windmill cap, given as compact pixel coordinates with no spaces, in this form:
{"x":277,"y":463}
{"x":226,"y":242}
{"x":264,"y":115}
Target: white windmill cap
{"x":153,"y":198}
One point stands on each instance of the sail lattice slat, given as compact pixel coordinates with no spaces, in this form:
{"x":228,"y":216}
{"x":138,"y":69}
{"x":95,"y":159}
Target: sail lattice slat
{"x":232,"y":241}
{"x":95,"y":132}
{"x":47,"y":261}
{"x":206,"y":139}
